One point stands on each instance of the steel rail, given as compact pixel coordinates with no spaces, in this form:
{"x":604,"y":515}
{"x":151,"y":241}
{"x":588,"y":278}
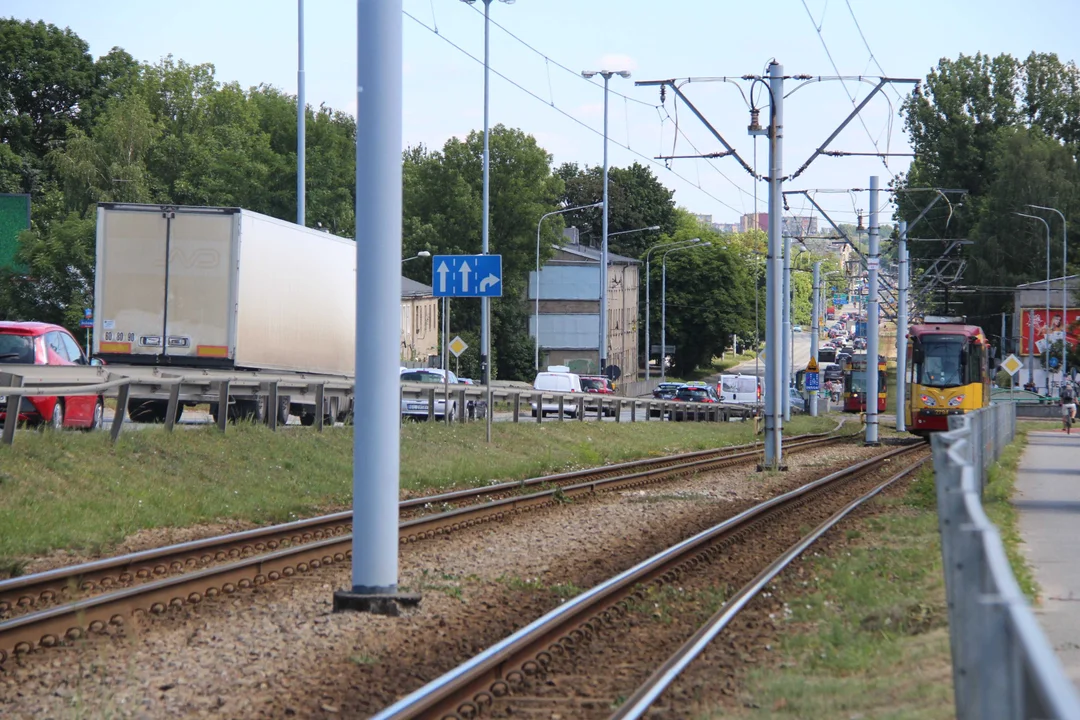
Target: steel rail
{"x":467,"y":689}
{"x":70,"y":621}
{"x":639,"y":703}
{"x":109,"y":573}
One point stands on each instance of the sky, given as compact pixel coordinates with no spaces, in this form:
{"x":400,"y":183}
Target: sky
{"x":539,"y":47}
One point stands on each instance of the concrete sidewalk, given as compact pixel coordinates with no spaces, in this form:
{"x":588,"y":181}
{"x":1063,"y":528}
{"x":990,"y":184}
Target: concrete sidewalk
{"x":1048,"y":499}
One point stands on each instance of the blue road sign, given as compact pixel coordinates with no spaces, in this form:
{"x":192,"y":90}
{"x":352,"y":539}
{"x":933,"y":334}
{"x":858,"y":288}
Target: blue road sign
{"x":466,"y":275}
{"x":812,"y":381}
{"x":86,"y":324}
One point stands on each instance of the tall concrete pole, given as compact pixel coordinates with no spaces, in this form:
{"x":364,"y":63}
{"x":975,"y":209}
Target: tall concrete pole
{"x":774,"y":384}
{"x":376,"y":438}
{"x":815,"y":329}
{"x":1031,"y":347}
{"x":1064,"y":284}
{"x":604,"y":242}
{"x":663,"y":317}
{"x":872,"y":310}
{"x":787,"y":329}
{"x":485,"y":303}
{"x":301,"y":121}
{"x":901,"y":331}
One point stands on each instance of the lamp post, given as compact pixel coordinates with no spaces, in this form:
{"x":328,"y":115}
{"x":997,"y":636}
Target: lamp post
{"x":485,"y":303}
{"x":648,"y":298}
{"x":536,"y":361}
{"x":421,"y":254}
{"x":663,"y":300}
{"x":1064,"y":283}
{"x":1047,"y":321}
{"x":606,"y":74}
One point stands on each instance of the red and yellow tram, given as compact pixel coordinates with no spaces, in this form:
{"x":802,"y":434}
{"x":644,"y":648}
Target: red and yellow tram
{"x":855,"y":383}
{"x":948,"y":373}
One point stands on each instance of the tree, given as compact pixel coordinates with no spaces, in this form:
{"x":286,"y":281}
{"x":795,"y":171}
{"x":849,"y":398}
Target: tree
{"x":442,"y":213}
{"x":636,"y":199}
{"x":1008,"y":131}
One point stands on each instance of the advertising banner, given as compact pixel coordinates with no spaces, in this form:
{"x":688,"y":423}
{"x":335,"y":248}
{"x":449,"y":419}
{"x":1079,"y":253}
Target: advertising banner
{"x":1047,"y":333}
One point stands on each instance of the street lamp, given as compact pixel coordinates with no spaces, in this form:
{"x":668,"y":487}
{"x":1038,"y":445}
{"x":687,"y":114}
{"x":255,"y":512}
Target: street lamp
{"x":421,"y":254}
{"x":663,"y":301}
{"x":1064,"y":282}
{"x":651,"y":228}
{"x":648,"y":301}
{"x":485,"y":303}
{"x":537,"y":289}
{"x":606,"y":74}
{"x":1047,"y":321}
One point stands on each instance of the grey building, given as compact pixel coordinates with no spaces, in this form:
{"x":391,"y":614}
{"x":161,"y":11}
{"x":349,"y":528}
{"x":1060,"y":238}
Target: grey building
{"x":569,"y":317}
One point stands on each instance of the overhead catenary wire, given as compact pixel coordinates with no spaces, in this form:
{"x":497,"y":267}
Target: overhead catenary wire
{"x":566,"y":114}
{"x":847,"y":91}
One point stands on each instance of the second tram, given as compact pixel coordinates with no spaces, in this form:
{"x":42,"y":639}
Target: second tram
{"x":948,"y":373}
{"x":855,"y":376}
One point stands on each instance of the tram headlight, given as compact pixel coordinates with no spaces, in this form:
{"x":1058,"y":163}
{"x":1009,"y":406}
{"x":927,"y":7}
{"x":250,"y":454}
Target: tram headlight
{"x":954,"y":402}
{"x":928,"y":401}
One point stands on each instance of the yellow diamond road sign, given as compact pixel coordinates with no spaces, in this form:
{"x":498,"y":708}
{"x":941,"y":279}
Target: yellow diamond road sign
{"x":458,"y":346}
{"x":1012,"y":364}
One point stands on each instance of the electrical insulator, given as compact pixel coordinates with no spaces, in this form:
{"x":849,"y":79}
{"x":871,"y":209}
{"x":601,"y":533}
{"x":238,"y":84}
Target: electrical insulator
{"x":663,"y":93}
{"x":755,"y":119}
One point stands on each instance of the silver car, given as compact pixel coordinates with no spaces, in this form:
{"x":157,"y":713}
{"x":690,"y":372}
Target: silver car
{"x":417,"y":408}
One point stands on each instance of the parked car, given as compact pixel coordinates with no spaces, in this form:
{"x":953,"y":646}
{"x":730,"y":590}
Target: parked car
{"x":560,"y":382}
{"x":697,"y":393}
{"x":417,"y":408}
{"x":34,"y":343}
{"x":798,"y":402}
{"x":796,"y":328}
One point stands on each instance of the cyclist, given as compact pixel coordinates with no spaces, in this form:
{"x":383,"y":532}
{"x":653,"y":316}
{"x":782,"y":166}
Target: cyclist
{"x":1068,"y":406}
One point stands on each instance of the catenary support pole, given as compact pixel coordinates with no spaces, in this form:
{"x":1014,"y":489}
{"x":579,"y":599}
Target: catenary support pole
{"x":301,"y":121}
{"x":604,"y":258}
{"x":872,"y":312}
{"x":787,"y":329}
{"x":485,"y":303}
{"x":446,"y":361}
{"x":901,"y":331}
{"x":774,"y":385}
{"x":663,"y":319}
{"x":376,"y":438}
{"x":1031,"y":347}
{"x":648,"y":337}
{"x":815,"y":329}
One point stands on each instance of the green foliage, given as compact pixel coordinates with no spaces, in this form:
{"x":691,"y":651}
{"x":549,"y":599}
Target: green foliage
{"x":1008,"y":131}
{"x":442,"y":214}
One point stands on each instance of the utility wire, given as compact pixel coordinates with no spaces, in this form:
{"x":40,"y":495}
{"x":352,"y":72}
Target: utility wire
{"x":843,"y":82}
{"x":873,"y":58}
{"x":558,"y":64}
{"x":552,"y":105}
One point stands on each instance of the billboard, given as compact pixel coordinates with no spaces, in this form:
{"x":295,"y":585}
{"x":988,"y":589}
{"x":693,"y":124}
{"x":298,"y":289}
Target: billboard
{"x":14,"y":218}
{"x":1047,"y":333}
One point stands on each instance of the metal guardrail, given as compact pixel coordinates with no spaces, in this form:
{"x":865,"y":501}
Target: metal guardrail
{"x":178,"y":386}
{"x":1003,"y":666}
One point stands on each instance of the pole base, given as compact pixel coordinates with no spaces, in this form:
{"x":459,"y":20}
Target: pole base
{"x":762,"y":468}
{"x":874,"y":443}
{"x":385,"y":604}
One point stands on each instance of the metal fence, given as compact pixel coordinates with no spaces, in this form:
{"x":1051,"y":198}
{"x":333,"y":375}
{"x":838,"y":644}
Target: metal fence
{"x":258,"y":393}
{"x":1003,"y":666}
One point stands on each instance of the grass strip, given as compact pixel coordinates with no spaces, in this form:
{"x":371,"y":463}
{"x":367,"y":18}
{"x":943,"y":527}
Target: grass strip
{"x":76,"y":491}
{"x":864,"y":630}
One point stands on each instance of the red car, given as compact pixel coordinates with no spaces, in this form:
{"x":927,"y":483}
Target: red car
{"x":596,"y":384}
{"x":34,"y":343}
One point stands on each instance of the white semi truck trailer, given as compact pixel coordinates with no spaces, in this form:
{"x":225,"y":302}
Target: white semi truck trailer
{"x":222,"y":288}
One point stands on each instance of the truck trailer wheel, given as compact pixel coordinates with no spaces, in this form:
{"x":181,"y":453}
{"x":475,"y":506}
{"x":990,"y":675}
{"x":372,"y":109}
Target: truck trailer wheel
{"x":283,"y":410}
{"x":307,"y":419}
{"x":152,"y":411}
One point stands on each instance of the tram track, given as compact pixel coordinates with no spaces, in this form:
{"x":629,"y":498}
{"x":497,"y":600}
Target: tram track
{"x":152,"y":581}
{"x":518,"y":666}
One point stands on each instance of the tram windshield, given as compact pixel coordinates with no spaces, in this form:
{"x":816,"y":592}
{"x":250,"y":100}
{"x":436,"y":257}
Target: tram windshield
{"x":941,"y":361}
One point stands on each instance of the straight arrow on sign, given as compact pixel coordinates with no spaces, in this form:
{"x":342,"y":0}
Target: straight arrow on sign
{"x":442,"y":276}
{"x":465,"y":270}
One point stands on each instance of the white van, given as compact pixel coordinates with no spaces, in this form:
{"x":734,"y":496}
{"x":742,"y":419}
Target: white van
{"x":744,"y":389}
{"x":560,"y":382}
